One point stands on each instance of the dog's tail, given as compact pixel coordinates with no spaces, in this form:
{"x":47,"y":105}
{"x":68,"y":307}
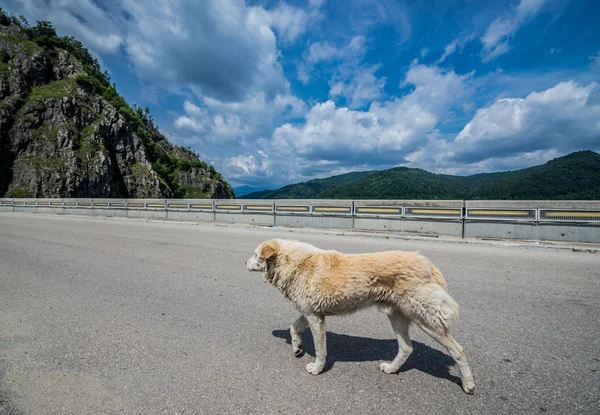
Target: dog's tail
{"x":430,"y":305}
{"x":449,"y":305}
{"x":438,"y":277}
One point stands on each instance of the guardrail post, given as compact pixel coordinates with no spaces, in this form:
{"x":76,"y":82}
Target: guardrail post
{"x":463,"y":220}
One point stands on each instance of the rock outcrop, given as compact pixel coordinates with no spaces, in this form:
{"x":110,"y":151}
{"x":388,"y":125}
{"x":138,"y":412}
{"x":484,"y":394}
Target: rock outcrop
{"x":65,"y":131}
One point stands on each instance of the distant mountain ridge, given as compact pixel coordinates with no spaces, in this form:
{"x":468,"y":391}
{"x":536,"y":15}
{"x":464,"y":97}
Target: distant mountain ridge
{"x":241,"y":191}
{"x":575,"y":176}
{"x":310,"y":189}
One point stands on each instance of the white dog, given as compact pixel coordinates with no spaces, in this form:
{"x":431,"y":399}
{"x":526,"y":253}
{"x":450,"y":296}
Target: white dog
{"x":404,"y":285}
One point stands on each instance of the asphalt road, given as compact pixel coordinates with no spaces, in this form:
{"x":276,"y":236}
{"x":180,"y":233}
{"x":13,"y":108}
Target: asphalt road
{"x":117,"y":316}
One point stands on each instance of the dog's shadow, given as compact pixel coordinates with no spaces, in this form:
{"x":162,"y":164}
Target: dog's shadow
{"x":344,"y":348}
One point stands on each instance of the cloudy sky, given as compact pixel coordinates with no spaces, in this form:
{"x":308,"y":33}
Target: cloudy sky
{"x":274,"y":92}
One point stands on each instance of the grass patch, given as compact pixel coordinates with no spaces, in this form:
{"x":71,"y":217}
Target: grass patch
{"x":195,"y":192}
{"x":30,"y":48}
{"x":54,"y":90}
{"x":45,"y":133}
{"x":139,"y":171}
{"x":87,"y":147}
{"x":16,"y":192}
{"x":187,"y":164}
{"x":43,"y":164}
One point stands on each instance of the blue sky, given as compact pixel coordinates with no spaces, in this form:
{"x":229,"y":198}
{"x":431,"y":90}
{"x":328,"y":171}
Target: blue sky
{"x":275,"y":92}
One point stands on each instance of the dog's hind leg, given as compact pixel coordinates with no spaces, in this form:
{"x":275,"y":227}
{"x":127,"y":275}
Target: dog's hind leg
{"x":317,"y":326}
{"x":400,"y":325}
{"x":296,"y":329}
{"x":457,"y":352}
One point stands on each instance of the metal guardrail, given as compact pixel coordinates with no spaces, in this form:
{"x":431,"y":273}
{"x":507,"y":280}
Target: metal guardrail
{"x":201,"y":207}
{"x":379,"y":211}
{"x":399,"y":210}
{"x":433,"y":213}
{"x":502,"y":214}
{"x":228,"y":208}
{"x":291,"y":210}
{"x":320,"y":210}
{"x":563,"y":215}
{"x":260,"y":208}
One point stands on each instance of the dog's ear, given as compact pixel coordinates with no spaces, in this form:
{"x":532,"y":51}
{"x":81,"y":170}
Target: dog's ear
{"x":269,"y":250}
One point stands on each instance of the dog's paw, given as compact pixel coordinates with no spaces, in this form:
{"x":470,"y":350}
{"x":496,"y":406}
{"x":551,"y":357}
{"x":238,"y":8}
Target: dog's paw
{"x":468,"y":386}
{"x":313,"y":368}
{"x":387,"y":367}
{"x":298,"y":350}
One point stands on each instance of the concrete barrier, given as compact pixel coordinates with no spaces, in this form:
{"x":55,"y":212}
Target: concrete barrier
{"x":79,"y":207}
{"x":431,"y":217}
{"x":109,"y":208}
{"x":244,"y":211}
{"x":146,"y":208}
{"x":50,"y":206}
{"x":569,"y":221}
{"x":190,"y":210}
{"x":250,"y":211}
{"x":25,"y":205}
{"x":6,"y":205}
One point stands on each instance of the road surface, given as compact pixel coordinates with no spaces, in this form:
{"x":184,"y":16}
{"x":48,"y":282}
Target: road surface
{"x":122,"y":316}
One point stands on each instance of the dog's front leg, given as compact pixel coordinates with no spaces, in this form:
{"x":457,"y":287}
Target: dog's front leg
{"x":317,"y":326}
{"x":295,"y":330}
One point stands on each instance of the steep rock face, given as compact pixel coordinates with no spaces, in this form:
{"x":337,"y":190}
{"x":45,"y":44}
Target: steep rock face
{"x":77,"y":145}
{"x":60,"y":138}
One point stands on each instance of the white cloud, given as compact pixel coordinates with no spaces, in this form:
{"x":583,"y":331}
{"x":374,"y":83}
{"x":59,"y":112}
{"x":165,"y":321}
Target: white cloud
{"x":496,"y":37}
{"x":224,"y":124}
{"x":448,"y":50}
{"x":385,"y":132}
{"x":364,"y":15}
{"x":321,"y":51}
{"x":350,"y":78}
{"x":363,"y":86}
{"x":220,"y":49}
{"x":303,"y":73}
{"x":321,"y":54}
{"x":563,"y":118}
{"x":457,"y":44}
{"x":256,"y":166}
{"x":324,"y":51}
{"x":291,"y":22}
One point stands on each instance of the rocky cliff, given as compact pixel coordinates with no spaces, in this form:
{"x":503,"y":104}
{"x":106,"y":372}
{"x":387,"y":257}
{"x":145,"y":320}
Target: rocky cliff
{"x":66,"y":132}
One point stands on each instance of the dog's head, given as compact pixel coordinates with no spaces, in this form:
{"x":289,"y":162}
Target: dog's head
{"x":263,"y":254}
